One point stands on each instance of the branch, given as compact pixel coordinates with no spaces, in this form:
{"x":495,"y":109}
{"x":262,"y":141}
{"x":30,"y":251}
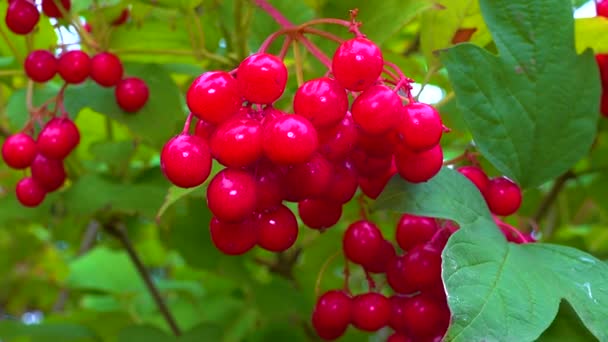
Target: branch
{"x":547,"y":202}
{"x":118,"y":231}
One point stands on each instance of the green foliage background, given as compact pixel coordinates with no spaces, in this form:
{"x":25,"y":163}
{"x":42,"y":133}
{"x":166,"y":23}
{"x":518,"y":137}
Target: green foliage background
{"x":58,"y":258}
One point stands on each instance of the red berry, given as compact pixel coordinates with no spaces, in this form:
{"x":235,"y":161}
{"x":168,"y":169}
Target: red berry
{"x":87,"y":27}
{"x":40,"y":65}
{"x":413,"y":230}
{"x":369,"y":166}
{"x":604,"y":103}
{"x":233,"y":238}
{"x":290,"y":139}
{"x":122,"y":18}
{"x":19,"y":150}
{"x":261,"y":78}
{"x":231,"y":195}
{"x":372,"y":187}
{"x":602,"y":62}
{"x":29,"y":193}
{"x":399,"y":337}
{"x":362,"y":241}
{"x":319,"y":213}
{"x":425,"y":317}
{"x":214,"y":97}
{"x":503,"y":196}
{"x":371,"y":311}
{"x":336,"y":142}
{"x":357,"y":64}
{"x":131,"y":94}
{"x":332,"y":314}
{"x":308,"y":179}
{"x":397,"y":320}
{"x":420,"y":127}
{"x":419,"y":269}
{"x":377,"y":145}
{"x":269,"y":179}
{"x":476,"y":175}
{"x":48,"y":173}
{"x":383,"y":257}
{"x":106,"y":69}
{"x":21,"y":17}
{"x":377,"y":110}
{"x":186,"y":161}
{"x":237,"y":142}
{"x":417,"y":167}
{"x":601,"y":7}
{"x":58,"y":138}
{"x":204,"y":130}
{"x":277,"y":229}
{"x":51,"y":10}
{"x":343,"y":183}
{"x":74,"y":66}
{"x":322,"y":101}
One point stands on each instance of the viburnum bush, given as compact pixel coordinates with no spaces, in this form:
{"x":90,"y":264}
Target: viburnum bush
{"x":257,"y":171}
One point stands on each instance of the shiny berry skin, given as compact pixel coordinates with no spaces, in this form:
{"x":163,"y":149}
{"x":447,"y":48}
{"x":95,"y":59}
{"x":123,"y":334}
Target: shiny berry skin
{"x":343,"y":183}
{"x":40,"y":65}
{"x":601,"y":7}
{"x":106,"y":69}
{"x":231,"y":195}
{"x":332,"y":314}
{"x":237,"y":142}
{"x":373,"y":186}
{"x":269,"y":189}
{"x":29,"y":192}
{"x":503,"y":196}
{"x":420,"y":127}
{"x":204,"y":130}
{"x":417,"y":167}
{"x":131,"y":94}
{"x":233,"y":238}
{"x":413,"y":230}
{"x":214,"y":97}
{"x":415,"y":271}
{"x":48,"y":173}
{"x":322,"y":101}
{"x":308,"y":179}
{"x":261,"y":78}
{"x":19,"y":150}
{"x":277,"y":229}
{"x":336,"y":142}
{"x":186,"y":160}
{"x":58,"y":138}
{"x":425,"y":317}
{"x":319,"y":213}
{"x":21,"y":17}
{"x":397,"y":320}
{"x":290,"y":139}
{"x":476,"y":175}
{"x":382,"y":259}
{"x":50,"y":9}
{"x":361,"y":242}
{"x":357,"y":64}
{"x":122,"y":18}
{"x":74,"y":66}
{"x":371,"y":311}
{"x":377,"y":110}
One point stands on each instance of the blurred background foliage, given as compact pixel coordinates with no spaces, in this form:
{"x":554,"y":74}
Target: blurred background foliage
{"x":63,"y":277}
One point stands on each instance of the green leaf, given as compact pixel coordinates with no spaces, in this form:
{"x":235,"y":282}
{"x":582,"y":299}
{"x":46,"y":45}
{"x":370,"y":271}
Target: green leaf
{"x":592,"y":33}
{"x":155,"y":123}
{"x":16,"y":108}
{"x":46,"y":332}
{"x":105,"y":270}
{"x":521,"y":117}
{"x":143,"y":333}
{"x":498,"y":290}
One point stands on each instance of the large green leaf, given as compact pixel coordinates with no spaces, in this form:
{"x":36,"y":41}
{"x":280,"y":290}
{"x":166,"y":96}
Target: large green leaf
{"x":533,"y":109}
{"x":46,"y":332}
{"x":499,"y":291}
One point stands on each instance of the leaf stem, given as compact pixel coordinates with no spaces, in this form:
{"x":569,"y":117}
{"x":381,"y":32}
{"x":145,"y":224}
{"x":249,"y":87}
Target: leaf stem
{"x":299,"y":61}
{"x":10,"y":44}
{"x":322,"y":272}
{"x":118,"y":231}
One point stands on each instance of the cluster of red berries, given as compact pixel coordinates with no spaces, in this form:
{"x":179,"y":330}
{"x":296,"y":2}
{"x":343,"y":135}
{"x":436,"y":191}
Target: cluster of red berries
{"x":601,"y":7}
{"x":316,"y":157}
{"x":44,"y":157}
{"x":59,"y":136}
{"x":417,"y":310}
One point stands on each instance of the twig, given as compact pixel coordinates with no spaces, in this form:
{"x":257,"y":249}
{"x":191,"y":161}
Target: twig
{"x":118,"y":231}
{"x":547,"y":202}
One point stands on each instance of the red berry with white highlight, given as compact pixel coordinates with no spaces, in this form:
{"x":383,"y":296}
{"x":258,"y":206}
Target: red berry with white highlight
{"x":357,"y":64}
{"x":214,"y":97}
{"x":261,"y":78}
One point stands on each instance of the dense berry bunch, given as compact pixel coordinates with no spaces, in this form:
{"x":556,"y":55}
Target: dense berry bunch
{"x":602,"y":59}
{"x":59,"y":135}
